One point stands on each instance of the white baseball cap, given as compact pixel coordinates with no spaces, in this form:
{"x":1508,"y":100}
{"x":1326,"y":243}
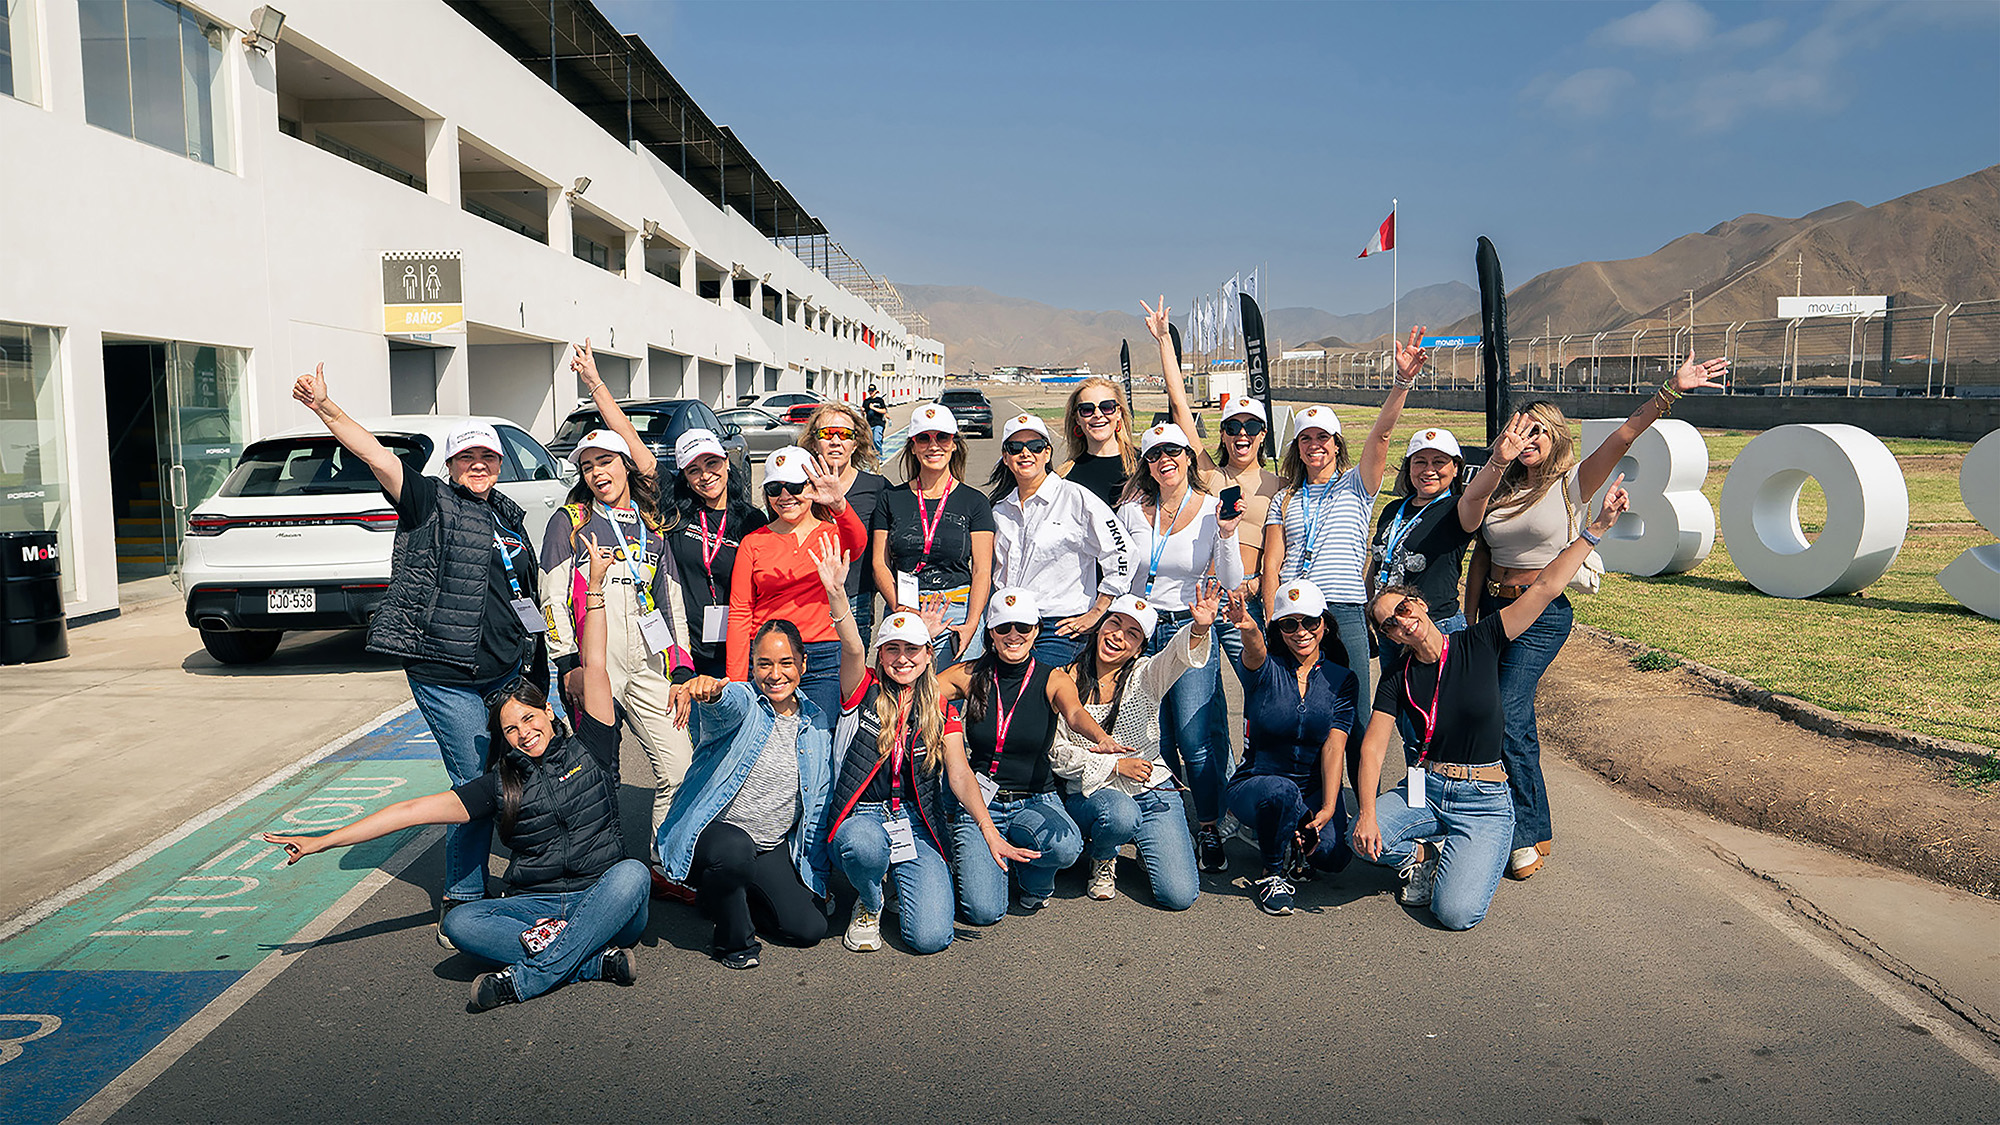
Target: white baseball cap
{"x":933,"y":418}
{"x":1013,"y":605}
{"x":1020,"y":422}
{"x":1245,"y":405}
{"x":694,"y":444}
{"x":1136,"y":609}
{"x":1440,"y":440}
{"x":1301,"y":598}
{"x":902,"y":627}
{"x":478,"y":435}
{"x":786,"y":466}
{"x":1315,"y":417}
{"x":1165,"y":433}
{"x":599,"y":439}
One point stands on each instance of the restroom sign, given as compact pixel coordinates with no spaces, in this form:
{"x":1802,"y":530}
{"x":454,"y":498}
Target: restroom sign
{"x":421,"y":292}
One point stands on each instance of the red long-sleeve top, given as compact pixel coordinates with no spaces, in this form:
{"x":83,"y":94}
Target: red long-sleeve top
{"x":775,"y":577}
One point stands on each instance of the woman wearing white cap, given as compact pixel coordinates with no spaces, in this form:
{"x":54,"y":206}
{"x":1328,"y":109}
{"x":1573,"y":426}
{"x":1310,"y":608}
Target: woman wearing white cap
{"x":1298,"y":721}
{"x":1011,"y":703}
{"x":1179,"y":537}
{"x":835,"y":435}
{"x":1056,"y":538}
{"x":461,"y":609}
{"x":895,"y":749}
{"x":1317,"y":528}
{"x":934,"y":534}
{"x":1449,"y":828}
{"x":1133,"y":798}
{"x":1419,"y":539}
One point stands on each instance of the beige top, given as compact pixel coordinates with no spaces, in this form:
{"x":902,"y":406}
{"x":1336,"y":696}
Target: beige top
{"x":1532,"y":537}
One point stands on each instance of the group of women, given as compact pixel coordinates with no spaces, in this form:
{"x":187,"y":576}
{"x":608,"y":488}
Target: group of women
{"x":1044,"y":680}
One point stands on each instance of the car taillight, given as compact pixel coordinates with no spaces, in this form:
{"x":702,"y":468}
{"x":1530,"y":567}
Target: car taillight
{"x":206,"y":525}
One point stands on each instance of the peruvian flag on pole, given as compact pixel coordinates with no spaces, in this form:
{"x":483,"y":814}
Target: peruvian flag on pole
{"x":1385,"y":238}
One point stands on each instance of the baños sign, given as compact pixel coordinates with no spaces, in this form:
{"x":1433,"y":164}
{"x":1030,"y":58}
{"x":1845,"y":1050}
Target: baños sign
{"x":1671,"y":527}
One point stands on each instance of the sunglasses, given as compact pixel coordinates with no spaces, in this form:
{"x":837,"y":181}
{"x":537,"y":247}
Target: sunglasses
{"x":1162,"y":452}
{"x":1237,"y":427}
{"x":1021,"y":627}
{"x":788,"y":487}
{"x":1029,"y":445}
{"x":934,"y":437}
{"x":1091,"y":409}
{"x":829,"y":433}
{"x":1295,"y":623}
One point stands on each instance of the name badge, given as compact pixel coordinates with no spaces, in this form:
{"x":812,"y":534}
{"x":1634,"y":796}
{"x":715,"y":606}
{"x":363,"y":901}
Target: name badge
{"x":906,"y":591}
{"x":530,"y":615}
{"x":988,"y":788}
{"x":714,"y":623}
{"x":653,"y":630}
{"x":1417,"y":779}
{"x":902,"y":842}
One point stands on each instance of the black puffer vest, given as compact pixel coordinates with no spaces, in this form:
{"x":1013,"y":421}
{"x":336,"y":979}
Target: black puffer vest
{"x":437,"y":579}
{"x":568,"y":833}
{"x":862,"y":761}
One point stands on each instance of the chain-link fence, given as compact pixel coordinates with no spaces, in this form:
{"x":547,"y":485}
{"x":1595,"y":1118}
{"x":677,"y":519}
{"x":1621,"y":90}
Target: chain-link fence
{"x":1949,"y":350}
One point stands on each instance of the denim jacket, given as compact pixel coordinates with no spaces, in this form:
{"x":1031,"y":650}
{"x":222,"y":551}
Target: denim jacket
{"x":733,"y":731}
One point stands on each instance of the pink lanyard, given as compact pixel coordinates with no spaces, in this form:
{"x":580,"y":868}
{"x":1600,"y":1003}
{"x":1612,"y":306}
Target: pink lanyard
{"x":1430,"y":716}
{"x":710,"y":550}
{"x":1002,"y":720}
{"x":899,"y":752}
{"x":929,"y":524}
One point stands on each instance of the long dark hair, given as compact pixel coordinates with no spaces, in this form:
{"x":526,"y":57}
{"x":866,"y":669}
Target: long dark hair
{"x":1085,"y":668}
{"x":512,"y":776}
{"x":643,"y":490}
{"x":682,"y":503}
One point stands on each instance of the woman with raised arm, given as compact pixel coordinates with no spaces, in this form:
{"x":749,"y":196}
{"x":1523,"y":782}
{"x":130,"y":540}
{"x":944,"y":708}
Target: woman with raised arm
{"x":835,"y":434}
{"x":934,"y":534}
{"x":746,"y":827}
{"x":1133,"y":798}
{"x":576,"y":906}
{"x":1010,"y":705}
{"x":776,"y":578}
{"x":898,"y":747}
{"x":1525,"y":520}
{"x":1449,"y":827}
{"x":1179,"y":534}
{"x":1102,"y":456}
{"x":1056,"y":538}
{"x":461,"y":610}
{"x":1298,"y":712}
{"x":1419,"y":539}
{"x":1317,"y":528}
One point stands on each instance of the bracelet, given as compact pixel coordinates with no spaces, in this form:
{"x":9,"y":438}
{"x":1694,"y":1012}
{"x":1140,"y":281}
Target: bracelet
{"x":838,"y":620}
{"x":1593,"y":540}
{"x":1409,"y":386}
{"x":1668,"y":389}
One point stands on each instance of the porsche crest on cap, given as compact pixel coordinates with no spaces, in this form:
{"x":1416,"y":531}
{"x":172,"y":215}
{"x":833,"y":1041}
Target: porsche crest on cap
{"x":1293,"y":593}
{"x":1011,"y":599}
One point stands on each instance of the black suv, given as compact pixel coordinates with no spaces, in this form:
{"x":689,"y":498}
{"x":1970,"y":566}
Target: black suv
{"x":971,"y":409}
{"x":660,"y":422}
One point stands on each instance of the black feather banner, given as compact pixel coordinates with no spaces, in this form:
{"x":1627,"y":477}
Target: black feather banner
{"x":1256,"y":366}
{"x":1125,"y":365}
{"x":1493,"y":338}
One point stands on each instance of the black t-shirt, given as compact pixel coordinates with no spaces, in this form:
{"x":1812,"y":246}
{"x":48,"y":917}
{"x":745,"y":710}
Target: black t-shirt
{"x":949,"y":563}
{"x":503,"y":644}
{"x":864,"y":496}
{"x":1031,"y":728}
{"x":1468,"y":706}
{"x":1429,"y":551}
{"x":1104,"y":476}
{"x":877,"y":408}
{"x":702,"y":587}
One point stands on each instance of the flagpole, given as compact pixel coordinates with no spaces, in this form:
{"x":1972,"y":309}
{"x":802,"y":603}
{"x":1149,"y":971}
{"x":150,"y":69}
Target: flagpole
{"x":1395,"y":276}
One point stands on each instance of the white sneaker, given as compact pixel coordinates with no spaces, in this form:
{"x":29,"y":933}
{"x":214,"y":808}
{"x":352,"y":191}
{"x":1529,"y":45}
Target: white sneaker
{"x":1418,"y":879}
{"x":1525,"y":861}
{"x":864,"y":931}
{"x":1103,"y":879}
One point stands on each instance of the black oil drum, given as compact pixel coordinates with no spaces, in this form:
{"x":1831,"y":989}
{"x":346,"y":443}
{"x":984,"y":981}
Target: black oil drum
{"x":32,"y":626}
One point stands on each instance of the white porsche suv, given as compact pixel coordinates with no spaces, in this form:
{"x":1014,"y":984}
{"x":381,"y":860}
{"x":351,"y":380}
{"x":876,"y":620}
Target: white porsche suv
{"x":298,"y":536}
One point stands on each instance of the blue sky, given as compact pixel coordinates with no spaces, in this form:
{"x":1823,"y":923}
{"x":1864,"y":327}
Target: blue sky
{"x":1086,"y":154}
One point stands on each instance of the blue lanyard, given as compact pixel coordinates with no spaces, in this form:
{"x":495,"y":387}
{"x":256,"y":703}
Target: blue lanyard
{"x":1309,"y":517}
{"x":1399,"y":529}
{"x":639,"y":584}
{"x":1159,"y":549}
{"x":507,"y":557}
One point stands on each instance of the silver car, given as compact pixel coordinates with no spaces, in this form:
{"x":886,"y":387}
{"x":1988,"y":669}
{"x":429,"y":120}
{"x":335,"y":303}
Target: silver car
{"x":763,"y":431}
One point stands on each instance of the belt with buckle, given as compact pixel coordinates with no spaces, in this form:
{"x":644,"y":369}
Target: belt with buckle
{"x":1506,"y":590}
{"x":1453,"y":771}
{"x":1015,"y":794}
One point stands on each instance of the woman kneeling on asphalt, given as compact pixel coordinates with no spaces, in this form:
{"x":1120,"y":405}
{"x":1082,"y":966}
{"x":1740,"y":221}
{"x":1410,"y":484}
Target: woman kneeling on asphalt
{"x":577,"y":905}
{"x":1298,"y":716}
{"x":901,"y":747}
{"x":1449,"y":827}
{"x":744,"y":830}
{"x":1133,"y":799}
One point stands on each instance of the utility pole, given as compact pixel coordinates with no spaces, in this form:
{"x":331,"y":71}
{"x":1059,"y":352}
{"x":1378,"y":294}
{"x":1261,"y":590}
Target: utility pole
{"x":1799,"y":276}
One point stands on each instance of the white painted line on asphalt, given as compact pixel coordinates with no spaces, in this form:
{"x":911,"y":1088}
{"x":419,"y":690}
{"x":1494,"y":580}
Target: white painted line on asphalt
{"x":1837,"y":958}
{"x":77,"y":890}
{"x":184,"y":1038}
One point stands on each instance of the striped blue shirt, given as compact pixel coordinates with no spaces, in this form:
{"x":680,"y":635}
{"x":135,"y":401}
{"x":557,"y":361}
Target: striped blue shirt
{"x":1329,"y":521}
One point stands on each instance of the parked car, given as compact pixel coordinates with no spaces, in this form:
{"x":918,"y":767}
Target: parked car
{"x":971,"y":408}
{"x":780,"y":404}
{"x":797,"y":414}
{"x":298,"y":536}
{"x":660,"y":422}
{"x":762,"y":431}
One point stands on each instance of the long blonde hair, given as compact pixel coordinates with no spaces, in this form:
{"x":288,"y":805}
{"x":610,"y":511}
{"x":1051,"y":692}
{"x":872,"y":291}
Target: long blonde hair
{"x":865,"y":455}
{"x":1523,"y":486}
{"x":925,"y":708}
{"x":1128,"y":450}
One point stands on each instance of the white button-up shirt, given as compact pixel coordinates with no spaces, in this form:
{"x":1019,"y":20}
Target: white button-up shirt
{"x":1055,"y":545}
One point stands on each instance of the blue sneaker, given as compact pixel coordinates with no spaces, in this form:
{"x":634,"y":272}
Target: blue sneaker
{"x":1274,"y":895}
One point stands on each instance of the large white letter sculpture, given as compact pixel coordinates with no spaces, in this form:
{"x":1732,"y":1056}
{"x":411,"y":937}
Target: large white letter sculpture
{"x":1867,"y":510}
{"x":1670,"y":527}
{"x":1974,"y":577}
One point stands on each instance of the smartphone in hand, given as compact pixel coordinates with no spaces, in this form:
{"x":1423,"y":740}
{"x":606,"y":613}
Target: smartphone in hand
{"x":1232,"y":503}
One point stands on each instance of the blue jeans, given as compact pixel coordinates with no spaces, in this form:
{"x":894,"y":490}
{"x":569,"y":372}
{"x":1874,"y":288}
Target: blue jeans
{"x":1472,"y":822}
{"x":945,"y":645}
{"x":458,"y":720}
{"x":862,"y":606}
{"x":1390,"y":654}
{"x":821,"y":681}
{"x":1157,"y":822}
{"x":1274,"y":807}
{"x":611,"y":912}
{"x":876,"y":433}
{"x":1194,"y":720}
{"x":923,"y":885}
{"x":1351,"y":619}
{"x":1522,"y":663}
{"x":1053,"y":649}
{"x":1037,"y":823}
